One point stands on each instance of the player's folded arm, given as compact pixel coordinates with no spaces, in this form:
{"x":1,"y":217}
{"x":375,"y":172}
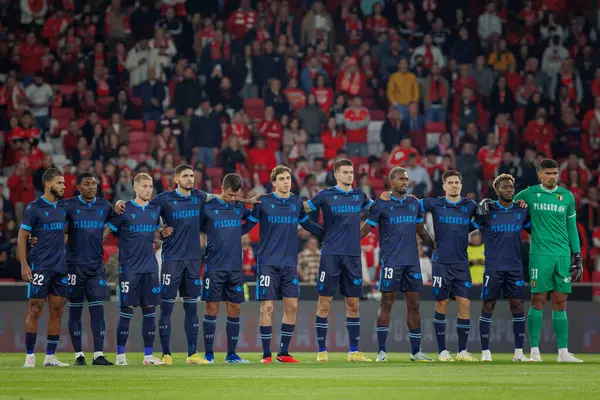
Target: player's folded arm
{"x":312,"y":227}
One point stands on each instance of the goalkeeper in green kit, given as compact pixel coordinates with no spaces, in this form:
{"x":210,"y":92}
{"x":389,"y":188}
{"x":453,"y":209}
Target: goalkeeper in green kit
{"x":554,"y":239}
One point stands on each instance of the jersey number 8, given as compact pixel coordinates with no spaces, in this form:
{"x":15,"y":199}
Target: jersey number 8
{"x":322,"y":277}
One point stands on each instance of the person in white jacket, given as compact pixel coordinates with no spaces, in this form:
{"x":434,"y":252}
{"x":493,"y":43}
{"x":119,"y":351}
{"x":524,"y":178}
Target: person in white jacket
{"x":137,"y":63}
{"x":489,"y":24}
{"x":428,"y":50}
{"x":553,"y":57}
{"x":162,"y":50}
{"x":33,"y":12}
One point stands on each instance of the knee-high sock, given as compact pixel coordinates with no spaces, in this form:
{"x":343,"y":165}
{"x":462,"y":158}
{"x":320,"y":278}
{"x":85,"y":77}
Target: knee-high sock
{"x":164,"y":324}
{"x":321,"y":326}
{"x":148,"y":329}
{"x":209,"y":326}
{"x":190,"y":308}
{"x":123,"y":328}
{"x":518,"y":321}
{"x":96,"y":309}
{"x":75,"y":325}
{"x":232,"y":329}
{"x":535,"y":320}
{"x":439,"y":323}
{"x":485,"y":322}
{"x":560,"y":324}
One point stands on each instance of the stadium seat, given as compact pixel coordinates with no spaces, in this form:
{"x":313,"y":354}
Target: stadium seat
{"x":377,"y":115}
{"x":377,"y":184}
{"x":102,"y":105}
{"x":151,"y":126}
{"x":135,"y":124}
{"x":138,"y":147}
{"x":67,"y":90}
{"x":137,"y":101}
{"x":358,"y":161}
{"x":254,"y":108}
{"x":63,"y":113}
{"x":136,"y":136}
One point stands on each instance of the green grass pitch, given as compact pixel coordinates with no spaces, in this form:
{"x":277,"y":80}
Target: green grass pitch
{"x":337,"y":379}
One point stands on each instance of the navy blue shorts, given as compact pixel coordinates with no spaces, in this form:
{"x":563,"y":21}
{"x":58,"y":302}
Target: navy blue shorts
{"x":139,"y":290}
{"x":47,"y":282}
{"x":403,"y":278}
{"x":451,"y":280}
{"x":223,"y":286}
{"x":510,"y":284}
{"x":182,"y":276}
{"x":275,"y":283}
{"x":345,"y":271}
{"x":84,"y":283}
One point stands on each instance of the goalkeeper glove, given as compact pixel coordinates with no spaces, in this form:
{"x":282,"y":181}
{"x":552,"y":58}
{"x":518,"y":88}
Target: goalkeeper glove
{"x":485,"y":206}
{"x":577,"y":268}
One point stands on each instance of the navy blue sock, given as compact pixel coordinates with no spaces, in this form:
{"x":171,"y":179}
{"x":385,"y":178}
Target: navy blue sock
{"x":415,"y":340}
{"x":190,"y":324}
{"x":321,"y":326}
{"x":485,"y":323}
{"x":462,"y":329}
{"x":52,"y":343}
{"x":123,"y":328}
{"x":353,"y":328}
{"x":164,"y":324}
{"x":30,"y":339}
{"x":519,"y":329}
{"x":209,"y":326}
{"x":439,"y":323}
{"x":382,"y":333}
{"x":75,"y":325}
{"x":149,"y":329}
{"x":287,"y":331}
{"x":96,"y":309}
{"x":232,"y":330}
{"x":266,"y":333}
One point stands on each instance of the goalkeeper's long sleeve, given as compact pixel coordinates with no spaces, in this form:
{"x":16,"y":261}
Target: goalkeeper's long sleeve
{"x":573,"y":234}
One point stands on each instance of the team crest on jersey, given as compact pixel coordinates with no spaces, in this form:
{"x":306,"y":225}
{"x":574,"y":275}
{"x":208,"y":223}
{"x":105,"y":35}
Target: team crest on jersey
{"x":355,"y":197}
{"x":493,"y":216}
{"x":411,"y":207}
{"x":153,"y":215}
{"x":175,"y":202}
{"x":46,"y":212}
{"x":272,"y":205}
{"x":465,"y":209}
{"x":518,"y":216}
{"x":216,"y":211}
{"x":391,"y":208}
{"x":293,"y":207}
{"x":335,"y":197}
{"x":100,"y":212}
{"x":194,"y":200}
{"x":78,"y":211}
{"x":237,"y":211}
{"x":133,"y":216}
{"x":559,"y":197}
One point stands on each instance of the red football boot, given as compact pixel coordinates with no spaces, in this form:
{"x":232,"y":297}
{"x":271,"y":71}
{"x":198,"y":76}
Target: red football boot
{"x":286,"y":358}
{"x":266,"y":360}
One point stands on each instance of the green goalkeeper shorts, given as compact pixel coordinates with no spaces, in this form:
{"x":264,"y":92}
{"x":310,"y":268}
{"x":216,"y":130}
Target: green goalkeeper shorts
{"x":550,"y":273}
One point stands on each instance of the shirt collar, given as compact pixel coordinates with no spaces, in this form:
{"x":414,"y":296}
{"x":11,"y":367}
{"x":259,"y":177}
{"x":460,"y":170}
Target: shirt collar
{"x":48,"y":202}
{"x":181,"y":194}
{"x":505,"y":208}
{"x":548,"y":190}
{"x":397,"y":199}
{"x":339,"y":189}
{"x":138,"y":205}
{"x":85,"y":202}
{"x":451,"y":203}
{"x":281,"y":198}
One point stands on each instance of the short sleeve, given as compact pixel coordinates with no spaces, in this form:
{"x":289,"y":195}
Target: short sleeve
{"x":202,"y":195}
{"x":247,"y":213}
{"x":374,"y":214}
{"x":426,"y":205}
{"x":522,"y":195}
{"x":29,"y":218}
{"x":303,"y":215}
{"x":255,"y":214}
{"x":317,"y":201}
{"x":420,"y":215}
{"x":115,"y":222}
{"x":367,"y":202}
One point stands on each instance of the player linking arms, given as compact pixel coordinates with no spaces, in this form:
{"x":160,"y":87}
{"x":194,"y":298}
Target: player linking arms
{"x":279,"y":214}
{"x":452,"y":220}
{"x":139,"y":284}
{"x":399,"y":220}
{"x":340,"y":262}
{"x":45,"y":219}
{"x":501,"y":230}
{"x":553,"y":239}
{"x":222,"y":220}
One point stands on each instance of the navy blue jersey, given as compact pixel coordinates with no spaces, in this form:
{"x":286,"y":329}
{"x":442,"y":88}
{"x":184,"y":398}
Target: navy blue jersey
{"x":279,"y":219}
{"x":222,"y":223}
{"x":135,"y":229}
{"x":501,"y":231}
{"x":85,"y":222}
{"x":341,"y":218}
{"x":183,"y":214}
{"x":46,"y":221}
{"x":397,"y":220}
{"x":452,"y":223}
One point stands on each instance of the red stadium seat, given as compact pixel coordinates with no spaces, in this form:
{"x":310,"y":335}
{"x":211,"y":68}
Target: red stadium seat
{"x":377,"y":184}
{"x":254,"y":107}
{"x":67,"y":90}
{"x":138,"y":148}
{"x":137,"y":101}
{"x":102,"y":105}
{"x":151,"y":126}
{"x":135,"y":124}
{"x":137,"y":136}
{"x":377,"y":115}
{"x":63,"y":113}
{"x":358,"y":161}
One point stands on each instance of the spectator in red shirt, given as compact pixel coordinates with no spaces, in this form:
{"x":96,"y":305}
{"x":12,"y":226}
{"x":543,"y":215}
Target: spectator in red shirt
{"x":399,"y":155}
{"x":323,"y":94}
{"x":271,"y":130}
{"x":240,"y":129}
{"x":260,"y":161}
{"x":29,"y":131}
{"x":21,"y":188}
{"x":377,"y":23}
{"x":240,"y":23}
{"x":490,"y":157}
{"x":351,"y":80}
{"x":30,"y":55}
{"x":295,"y":96}
{"x":356,"y":121}
{"x":540,"y":133}
{"x":333,"y":139}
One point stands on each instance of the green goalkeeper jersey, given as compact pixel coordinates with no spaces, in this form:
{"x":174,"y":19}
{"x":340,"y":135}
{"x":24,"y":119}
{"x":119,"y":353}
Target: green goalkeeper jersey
{"x":553,"y":221}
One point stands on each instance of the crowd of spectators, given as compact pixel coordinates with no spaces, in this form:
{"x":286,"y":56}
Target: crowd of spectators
{"x":118,"y":87}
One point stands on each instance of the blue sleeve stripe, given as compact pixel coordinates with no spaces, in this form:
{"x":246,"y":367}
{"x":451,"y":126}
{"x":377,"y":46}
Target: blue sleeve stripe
{"x":112,"y":227}
{"x":527,"y":225}
{"x":475,"y":224}
{"x":372,"y":223}
{"x":251,"y":218}
{"x":26,"y":227}
{"x":420,"y":220}
{"x":368,"y":204}
{"x":303,"y":220}
{"x":158,"y":226}
{"x":422,"y":205}
{"x":311,"y":205}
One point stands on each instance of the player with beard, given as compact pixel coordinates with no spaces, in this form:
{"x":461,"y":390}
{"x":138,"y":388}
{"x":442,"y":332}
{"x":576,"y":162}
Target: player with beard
{"x":400,"y":219}
{"x":45,"y":268}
